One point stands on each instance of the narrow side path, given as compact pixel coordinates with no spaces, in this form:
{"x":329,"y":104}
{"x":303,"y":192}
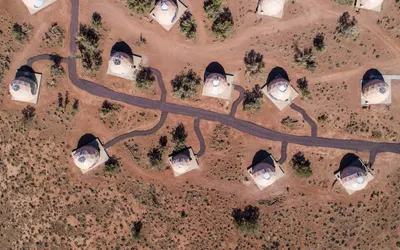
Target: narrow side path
{"x":284,"y":147}
{"x":239,"y":100}
{"x":313,"y":125}
{"x":199,"y":135}
{"x":138,"y":132}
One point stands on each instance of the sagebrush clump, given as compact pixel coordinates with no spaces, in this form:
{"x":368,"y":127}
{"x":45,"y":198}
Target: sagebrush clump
{"x":253,"y":99}
{"x":145,"y":78}
{"x":254,"y":62}
{"x":301,"y":166}
{"x":186,"y":84}
{"x":187,"y":25}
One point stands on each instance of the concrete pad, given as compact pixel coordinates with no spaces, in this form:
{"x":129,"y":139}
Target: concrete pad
{"x":386,"y":78}
{"x":38,"y":81}
{"x":281,"y":105}
{"x":33,"y":10}
{"x":194,"y":164}
{"x":278,"y":174}
{"x":359,"y":5}
{"x":230,"y":79}
{"x":103,"y":155}
{"x":181,"y":9}
{"x":278,"y":15}
{"x":137,"y":61}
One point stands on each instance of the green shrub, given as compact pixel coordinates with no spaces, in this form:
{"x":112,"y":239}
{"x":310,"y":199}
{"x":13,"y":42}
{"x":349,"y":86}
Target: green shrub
{"x":145,"y":78}
{"x":319,"y":42}
{"x":344,"y":2}
{"x":346,"y":26}
{"x":254,"y":62}
{"x":301,"y":166}
{"x":139,"y":6}
{"x":54,"y":37}
{"x":302,"y":84}
{"x":186,"y":84}
{"x":108,"y":107}
{"x":28,"y":113}
{"x":246,"y":220}
{"x":179,"y":136}
{"x":212,"y":8}
{"x":56,"y":69}
{"x":155,"y":158}
{"x":21,"y":32}
{"x":112,"y":166}
{"x":305,"y":57}
{"x":187,"y":25}
{"x":223,"y":23}
{"x":253,"y":99}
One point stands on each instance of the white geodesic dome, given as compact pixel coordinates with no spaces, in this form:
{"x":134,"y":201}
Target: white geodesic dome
{"x":279,"y":89}
{"x":181,"y":162}
{"x":354,"y":178}
{"x":375,"y":91}
{"x":371,"y":4}
{"x":121,"y":64}
{"x":215,"y":85}
{"x":23,"y":89}
{"x":165,"y":11}
{"x":36,"y":4}
{"x":263,"y":174}
{"x":271,"y":7}
{"x":86,"y":157}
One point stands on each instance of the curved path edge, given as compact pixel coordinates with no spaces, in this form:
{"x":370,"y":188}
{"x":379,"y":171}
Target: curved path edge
{"x":307,"y":118}
{"x":200,"y":137}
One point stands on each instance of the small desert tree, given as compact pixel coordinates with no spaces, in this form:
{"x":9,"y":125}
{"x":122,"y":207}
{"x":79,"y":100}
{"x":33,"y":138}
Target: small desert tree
{"x":112,"y":165}
{"x":56,"y":69}
{"x":305,"y":57}
{"x":145,"y":78}
{"x":247,"y":219}
{"x":28,"y":113}
{"x":301,"y":166}
{"x":186,"y":84}
{"x":155,"y":158}
{"x":254,"y":62}
{"x":253,"y":99}
{"x":136,"y":229}
{"x":223,"y":24}
{"x":21,"y":32}
{"x":346,"y":25}
{"x":302,"y":84}
{"x":212,"y":8}
{"x":139,"y":6}
{"x":96,"y":20}
{"x":187,"y":25}
{"x":179,"y":136}
{"x":108,"y":107}
{"x":319,"y":42}
{"x":54,"y":36}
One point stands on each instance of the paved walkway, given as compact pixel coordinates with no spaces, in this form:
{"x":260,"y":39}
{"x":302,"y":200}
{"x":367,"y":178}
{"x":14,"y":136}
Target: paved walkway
{"x":201,"y":114}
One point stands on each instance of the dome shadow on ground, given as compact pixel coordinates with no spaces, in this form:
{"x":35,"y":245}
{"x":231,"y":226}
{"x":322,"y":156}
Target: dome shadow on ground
{"x":349,"y":159}
{"x":262,"y":156}
{"x":277,"y":72}
{"x":372,"y":74}
{"x":214,"y":67}
{"x":26,"y":71}
{"x":86,"y":139}
{"x":121,"y":47}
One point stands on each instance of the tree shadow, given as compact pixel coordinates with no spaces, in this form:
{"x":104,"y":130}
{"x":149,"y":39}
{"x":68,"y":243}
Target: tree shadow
{"x":277,"y":72}
{"x":349,"y":159}
{"x":214,"y":67}
{"x":26,"y":71}
{"x":88,"y":139}
{"x":121,"y":47}
{"x":262,"y":156}
{"x":371,"y":74}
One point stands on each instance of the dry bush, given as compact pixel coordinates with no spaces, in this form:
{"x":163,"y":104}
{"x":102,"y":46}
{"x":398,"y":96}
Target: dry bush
{"x":247,"y":219}
{"x":223,"y":24}
{"x":139,"y":6}
{"x":220,"y":137}
{"x":186,"y":84}
{"x":319,"y":42}
{"x":302,"y":84}
{"x":28,"y":113}
{"x":4,"y":65}
{"x":253,"y":99}
{"x":145,"y":78}
{"x":305,"y":57}
{"x":112,"y":166}
{"x":179,"y":137}
{"x":346,"y":26}
{"x":289,"y":122}
{"x":54,"y":37}
{"x":21,"y":32}
{"x":254,"y":62}
{"x":301,"y":166}
{"x":187,"y":25}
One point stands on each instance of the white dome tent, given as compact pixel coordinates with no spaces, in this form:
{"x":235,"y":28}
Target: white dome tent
{"x":37,"y":5}
{"x":375,"y":92}
{"x":24,"y":89}
{"x":89,"y":156}
{"x":355,"y":176}
{"x":265,"y":173}
{"x":121,"y":64}
{"x":279,"y":89}
{"x":216,"y":85}
{"x":168,"y":12}
{"x":183,"y":161}
{"x":272,"y":8}
{"x":375,"y":5}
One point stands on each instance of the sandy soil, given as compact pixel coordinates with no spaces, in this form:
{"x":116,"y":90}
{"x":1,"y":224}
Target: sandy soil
{"x":48,"y":204}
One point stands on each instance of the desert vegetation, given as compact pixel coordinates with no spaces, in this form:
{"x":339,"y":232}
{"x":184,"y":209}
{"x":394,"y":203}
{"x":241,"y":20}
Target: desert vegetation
{"x":302,"y":84}
{"x":344,"y":2}
{"x":21,"y":31}
{"x":28,"y":113}
{"x":254,"y":62}
{"x":221,"y":18}
{"x":289,"y":121}
{"x":179,"y":136}
{"x":139,"y":6}
{"x":186,"y":84}
{"x":56,"y":69}
{"x":346,"y":26}
{"x":112,"y":166}
{"x":144,"y":78}
{"x":301,"y":166}
{"x":318,"y":42}
{"x":156,"y":154}
{"x":246,"y":220}
{"x":187,"y":25}
{"x":220,"y":138}
{"x":4,"y":65}
{"x":253,"y":99}
{"x":88,"y":43}
{"x":54,"y":37}
{"x":305,"y":58}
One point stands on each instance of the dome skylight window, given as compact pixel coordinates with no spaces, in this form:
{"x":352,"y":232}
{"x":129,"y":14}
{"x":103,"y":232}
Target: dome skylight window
{"x":39,"y":3}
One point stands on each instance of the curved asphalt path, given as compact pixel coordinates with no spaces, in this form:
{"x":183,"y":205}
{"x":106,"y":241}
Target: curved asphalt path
{"x":239,"y":100}
{"x":229,"y":120}
{"x":200,"y":138}
{"x":283,"y":152}
{"x":307,"y":118}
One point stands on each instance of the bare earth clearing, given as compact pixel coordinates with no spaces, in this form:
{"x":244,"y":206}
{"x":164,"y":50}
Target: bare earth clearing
{"x":48,"y":204}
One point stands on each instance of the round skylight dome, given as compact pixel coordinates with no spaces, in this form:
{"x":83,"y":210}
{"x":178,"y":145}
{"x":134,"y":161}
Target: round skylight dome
{"x":39,"y":3}
{"x":267,"y":176}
